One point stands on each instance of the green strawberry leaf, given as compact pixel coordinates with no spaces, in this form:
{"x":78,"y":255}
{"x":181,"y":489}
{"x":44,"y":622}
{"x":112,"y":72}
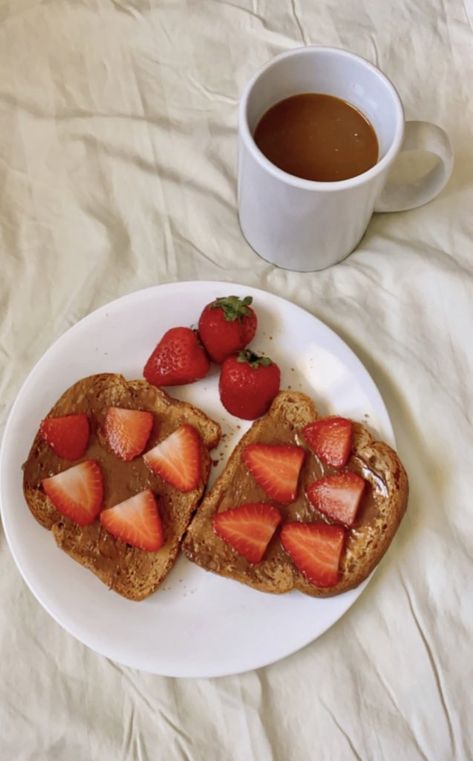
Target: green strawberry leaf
{"x":233,"y":307}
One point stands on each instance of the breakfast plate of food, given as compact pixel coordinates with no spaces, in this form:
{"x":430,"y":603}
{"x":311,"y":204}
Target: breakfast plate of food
{"x":198,"y":479}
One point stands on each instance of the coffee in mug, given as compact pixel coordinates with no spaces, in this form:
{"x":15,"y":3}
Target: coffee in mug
{"x":317,"y":137}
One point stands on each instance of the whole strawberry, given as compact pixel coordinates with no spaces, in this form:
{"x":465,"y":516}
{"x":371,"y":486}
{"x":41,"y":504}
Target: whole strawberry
{"x":226,"y":326}
{"x":248,"y":384}
{"x":177,"y":359}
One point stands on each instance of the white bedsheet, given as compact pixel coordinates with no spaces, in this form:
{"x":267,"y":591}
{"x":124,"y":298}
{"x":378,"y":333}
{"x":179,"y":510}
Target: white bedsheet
{"x":117,"y":171}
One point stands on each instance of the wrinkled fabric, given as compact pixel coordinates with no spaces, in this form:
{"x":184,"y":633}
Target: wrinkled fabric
{"x":118,"y":125}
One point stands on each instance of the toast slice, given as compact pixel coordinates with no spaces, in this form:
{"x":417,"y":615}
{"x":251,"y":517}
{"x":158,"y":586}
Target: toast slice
{"x":381,"y":511}
{"x":131,"y":572}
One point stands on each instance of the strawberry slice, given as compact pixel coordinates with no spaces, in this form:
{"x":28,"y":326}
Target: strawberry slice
{"x":330,"y":439}
{"x":276,"y":468}
{"x":127,"y":431}
{"x":177,"y":459}
{"x":338,"y":496}
{"x":67,"y":436}
{"x":248,"y":528}
{"x":77,"y":492}
{"x":316,"y":549}
{"x":136,"y":521}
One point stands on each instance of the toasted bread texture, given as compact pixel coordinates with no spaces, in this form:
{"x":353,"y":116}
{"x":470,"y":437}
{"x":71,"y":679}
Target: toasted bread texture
{"x":131,"y":572}
{"x":381,"y":511}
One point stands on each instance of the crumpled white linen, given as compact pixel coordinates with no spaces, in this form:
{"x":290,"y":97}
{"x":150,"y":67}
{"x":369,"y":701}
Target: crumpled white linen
{"x":118,"y":171}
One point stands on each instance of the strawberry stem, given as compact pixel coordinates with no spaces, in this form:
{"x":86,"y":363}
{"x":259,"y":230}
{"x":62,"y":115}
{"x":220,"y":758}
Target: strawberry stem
{"x":233,"y":307}
{"x":252,"y":359}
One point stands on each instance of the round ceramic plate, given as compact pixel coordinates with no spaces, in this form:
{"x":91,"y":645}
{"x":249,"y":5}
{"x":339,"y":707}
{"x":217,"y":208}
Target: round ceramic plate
{"x":197,"y":624}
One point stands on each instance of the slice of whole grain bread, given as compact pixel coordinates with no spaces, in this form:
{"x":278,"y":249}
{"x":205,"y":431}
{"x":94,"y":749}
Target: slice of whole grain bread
{"x":131,"y":572}
{"x":381,"y":511}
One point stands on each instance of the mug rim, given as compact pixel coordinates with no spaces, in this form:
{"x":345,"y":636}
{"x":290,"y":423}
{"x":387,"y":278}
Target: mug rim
{"x":300,"y":182}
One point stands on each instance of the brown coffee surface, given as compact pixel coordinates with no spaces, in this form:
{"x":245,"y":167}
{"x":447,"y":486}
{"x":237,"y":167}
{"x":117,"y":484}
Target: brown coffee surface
{"x":317,"y":137}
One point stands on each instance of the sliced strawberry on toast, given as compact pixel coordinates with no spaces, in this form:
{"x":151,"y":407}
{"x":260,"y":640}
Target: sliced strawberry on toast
{"x":330,"y":439}
{"x":127,"y":431}
{"x":338,"y":496}
{"x":177,"y":459}
{"x":136,"y":521}
{"x":276,"y":468}
{"x":67,"y":436}
{"x":77,"y":492}
{"x":315,"y":549}
{"x":248,"y":528}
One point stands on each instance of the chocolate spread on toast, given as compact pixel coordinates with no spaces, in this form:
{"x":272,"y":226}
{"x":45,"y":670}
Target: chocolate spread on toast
{"x":243,"y":488}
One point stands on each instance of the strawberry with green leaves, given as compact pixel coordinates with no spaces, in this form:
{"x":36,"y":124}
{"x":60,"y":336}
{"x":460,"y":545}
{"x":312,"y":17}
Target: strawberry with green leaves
{"x":226,"y":326}
{"x":248,"y":384}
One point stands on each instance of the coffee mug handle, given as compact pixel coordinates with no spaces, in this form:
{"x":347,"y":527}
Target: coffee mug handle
{"x":419,"y":136}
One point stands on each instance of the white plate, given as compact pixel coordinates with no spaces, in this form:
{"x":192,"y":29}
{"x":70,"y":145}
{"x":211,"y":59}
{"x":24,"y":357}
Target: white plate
{"x":198,"y":624}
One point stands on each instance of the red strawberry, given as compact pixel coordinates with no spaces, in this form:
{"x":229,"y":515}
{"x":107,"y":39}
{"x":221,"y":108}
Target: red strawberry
{"x":177,"y":359}
{"x":226,"y":326}
{"x":248,"y":384}
{"x":330,"y":439}
{"x":127,"y":431}
{"x":77,"y":492}
{"x":338,"y":496}
{"x":67,"y":436}
{"x":276,"y":468}
{"x":136,"y":521}
{"x":315,"y":549}
{"x":177,"y":459}
{"x":248,"y":528}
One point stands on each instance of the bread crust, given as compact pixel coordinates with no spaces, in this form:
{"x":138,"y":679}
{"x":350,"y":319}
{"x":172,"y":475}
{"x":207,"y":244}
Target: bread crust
{"x":131,"y":572}
{"x":367,"y":541}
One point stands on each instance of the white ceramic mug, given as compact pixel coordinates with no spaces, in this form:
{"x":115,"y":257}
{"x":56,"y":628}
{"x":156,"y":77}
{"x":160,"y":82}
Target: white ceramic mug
{"x":304,"y":225}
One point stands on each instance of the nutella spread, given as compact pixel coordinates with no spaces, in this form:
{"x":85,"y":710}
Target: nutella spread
{"x":244,"y":488}
{"x":121,"y":479}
